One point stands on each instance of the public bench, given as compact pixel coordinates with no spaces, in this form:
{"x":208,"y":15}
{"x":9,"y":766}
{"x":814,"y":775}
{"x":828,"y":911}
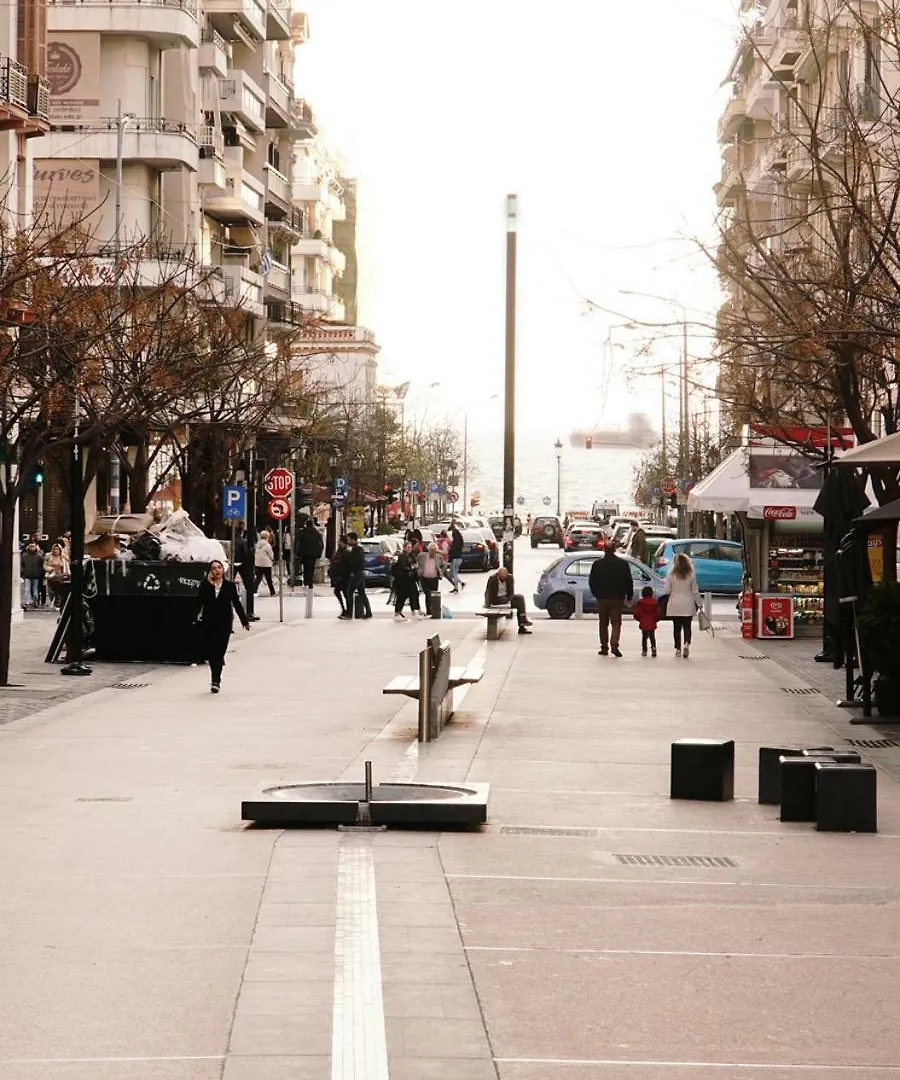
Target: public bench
{"x":433,"y":687}
{"x":493,"y":615}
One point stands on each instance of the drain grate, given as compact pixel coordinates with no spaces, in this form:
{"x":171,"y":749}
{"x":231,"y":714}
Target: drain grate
{"x":873,"y":744}
{"x":755,"y":656}
{"x":544,"y":830}
{"x":128,"y":685}
{"x":105,"y":798}
{"x":801,"y":690}
{"x":719,"y":862}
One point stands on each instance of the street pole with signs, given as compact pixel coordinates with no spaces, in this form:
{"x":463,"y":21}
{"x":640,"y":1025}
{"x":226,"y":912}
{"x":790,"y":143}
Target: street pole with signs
{"x":509,"y":425}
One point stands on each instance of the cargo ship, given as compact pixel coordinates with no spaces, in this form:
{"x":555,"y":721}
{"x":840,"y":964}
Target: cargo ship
{"x":639,"y":433}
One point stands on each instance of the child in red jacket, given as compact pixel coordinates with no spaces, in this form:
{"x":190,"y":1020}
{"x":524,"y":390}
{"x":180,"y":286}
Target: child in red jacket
{"x":648,"y":613}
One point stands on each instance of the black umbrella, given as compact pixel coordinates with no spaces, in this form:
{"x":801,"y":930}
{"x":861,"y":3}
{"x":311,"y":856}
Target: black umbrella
{"x":879,"y":517}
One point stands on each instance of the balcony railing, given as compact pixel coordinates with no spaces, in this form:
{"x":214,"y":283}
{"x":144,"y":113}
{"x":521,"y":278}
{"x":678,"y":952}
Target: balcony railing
{"x":38,"y":97}
{"x":278,"y":184}
{"x":13,"y":83}
{"x":211,"y":141}
{"x":209,"y":36}
{"x":156,"y":125}
{"x":190,"y":6}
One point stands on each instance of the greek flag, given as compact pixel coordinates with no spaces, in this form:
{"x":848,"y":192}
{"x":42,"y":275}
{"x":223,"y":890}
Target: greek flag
{"x":265,"y":263}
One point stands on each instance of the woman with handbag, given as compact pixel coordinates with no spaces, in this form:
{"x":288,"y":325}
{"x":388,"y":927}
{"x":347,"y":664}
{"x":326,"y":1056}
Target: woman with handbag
{"x":406,"y":582}
{"x":218,"y":599}
{"x":683,"y":600}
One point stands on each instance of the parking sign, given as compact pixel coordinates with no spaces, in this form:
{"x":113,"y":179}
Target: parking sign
{"x":234,"y":502}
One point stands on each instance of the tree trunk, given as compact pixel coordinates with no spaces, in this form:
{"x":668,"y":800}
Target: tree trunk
{"x":7,"y":543}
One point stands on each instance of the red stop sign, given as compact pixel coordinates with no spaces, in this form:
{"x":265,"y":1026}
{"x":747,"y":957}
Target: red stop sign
{"x":279,"y":483}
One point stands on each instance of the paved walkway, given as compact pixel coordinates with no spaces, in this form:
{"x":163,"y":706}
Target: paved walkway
{"x":594,"y":929}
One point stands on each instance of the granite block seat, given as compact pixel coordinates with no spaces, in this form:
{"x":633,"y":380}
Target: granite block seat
{"x":846,"y":797}
{"x":769,"y":789}
{"x":702,"y":769}
{"x":493,"y":615}
{"x":798,"y":782}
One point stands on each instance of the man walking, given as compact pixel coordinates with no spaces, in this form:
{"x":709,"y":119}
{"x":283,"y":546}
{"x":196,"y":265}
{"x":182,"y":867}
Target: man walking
{"x":610,"y":582}
{"x":311,"y":547}
{"x":500,"y":589}
{"x":356,"y":581}
{"x":456,"y":554}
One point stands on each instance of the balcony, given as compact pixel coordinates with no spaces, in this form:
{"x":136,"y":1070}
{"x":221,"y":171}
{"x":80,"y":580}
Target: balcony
{"x":278,"y":280}
{"x":240,"y":96}
{"x":278,"y":21}
{"x":734,"y":114}
{"x":309,"y":191}
{"x":303,"y":120}
{"x":278,"y":102}
{"x":160,"y":143}
{"x":214,"y":54}
{"x":284,"y":317}
{"x":38,"y":122}
{"x":315,"y":300}
{"x":290,"y":226}
{"x":13,"y":92}
{"x":211,"y":168}
{"x":168,"y":24}
{"x":278,"y":192}
{"x":320,"y":247}
{"x":238,"y":20}
{"x":244,"y":288}
{"x":732,"y":181}
{"x":242,"y":199}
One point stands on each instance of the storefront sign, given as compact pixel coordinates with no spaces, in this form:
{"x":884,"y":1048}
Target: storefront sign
{"x":776,"y":616}
{"x":356,"y":520}
{"x":66,"y":190}
{"x":875,"y":551}
{"x":73,"y":71}
{"x":780,"y":513}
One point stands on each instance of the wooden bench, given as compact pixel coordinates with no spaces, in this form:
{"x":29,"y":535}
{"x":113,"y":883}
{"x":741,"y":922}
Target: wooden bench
{"x":493,"y":615}
{"x":439,"y":680}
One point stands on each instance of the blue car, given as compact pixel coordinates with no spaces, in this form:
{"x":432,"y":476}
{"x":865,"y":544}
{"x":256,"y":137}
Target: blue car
{"x":718,"y":564}
{"x":379,"y":553}
{"x":563,"y":579}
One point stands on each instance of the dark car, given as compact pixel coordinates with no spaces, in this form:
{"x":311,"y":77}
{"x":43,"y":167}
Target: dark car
{"x":547,"y":530}
{"x":584,"y":537}
{"x":378,"y":554}
{"x":496,"y":523}
{"x":476,"y":554}
{"x":569,"y":575}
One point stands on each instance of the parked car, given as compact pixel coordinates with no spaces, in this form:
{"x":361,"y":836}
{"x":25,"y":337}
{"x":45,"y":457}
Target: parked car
{"x":493,"y":546}
{"x":589,"y":537}
{"x":656,"y":536}
{"x":378,"y":554}
{"x":496,"y":523}
{"x":476,"y":554}
{"x":547,"y":530}
{"x":718,"y":564}
{"x":563,"y":579}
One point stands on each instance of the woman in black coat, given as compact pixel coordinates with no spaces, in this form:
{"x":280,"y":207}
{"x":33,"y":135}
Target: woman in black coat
{"x":218,"y":599}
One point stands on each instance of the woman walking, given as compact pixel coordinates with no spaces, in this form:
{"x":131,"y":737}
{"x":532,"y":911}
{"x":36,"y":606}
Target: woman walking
{"x":684,"y":599}
{"x":406,"y":582}
{"x":431,"y":570}
{"x":339,"y":572}
{"x":264,"y":560}
{"x":218,"y":599}
{"x":56,"y":570}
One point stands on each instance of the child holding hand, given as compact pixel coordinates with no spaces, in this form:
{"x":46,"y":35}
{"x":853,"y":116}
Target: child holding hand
{"x":648,"y":613}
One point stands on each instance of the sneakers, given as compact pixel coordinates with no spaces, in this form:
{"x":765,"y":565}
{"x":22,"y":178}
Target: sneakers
{"x":214,"y":689}
{"x":653,"y":652}
{"x":454,"y":589}
{"x":527,"y":622}
{"x":686,"y":651}
{"x":616,"y":651}
{"x":399,"y":616}
{"x":644,"y":652}
{"x":524,"y":630}
{"x":678,"y":652}
{"x":603,"y":652}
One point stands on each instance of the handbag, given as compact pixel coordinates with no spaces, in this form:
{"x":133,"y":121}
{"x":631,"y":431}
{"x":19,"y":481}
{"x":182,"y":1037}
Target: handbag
{"x":703,"y":621}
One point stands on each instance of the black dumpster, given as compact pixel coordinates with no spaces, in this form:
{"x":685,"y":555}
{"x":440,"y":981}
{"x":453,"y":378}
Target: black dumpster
{"x":146,"y":610}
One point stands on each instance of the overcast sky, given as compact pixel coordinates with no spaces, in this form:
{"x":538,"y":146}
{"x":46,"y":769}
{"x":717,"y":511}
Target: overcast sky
{"x":600,"y":114}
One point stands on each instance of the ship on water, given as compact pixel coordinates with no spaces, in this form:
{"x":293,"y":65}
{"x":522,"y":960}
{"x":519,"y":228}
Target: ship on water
{"x":639,"y":433}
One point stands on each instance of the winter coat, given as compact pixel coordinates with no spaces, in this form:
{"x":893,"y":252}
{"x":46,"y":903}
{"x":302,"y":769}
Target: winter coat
{"x":456,"y":544}
{"x":610,"y":579}
{"x":263,"y":556}
{"x":56,"y":566}
{"x":684,"y":596}
{"x":406,"y":567}
{"x":647,"y":612}
{"x":639,"y":549}
{"x":215,"y":613}
{"x":440,"y":564}
{"x":497,"y":591}
{"x":32,"y":563}
{"x":309,"y":544}
{"x":356,"y":560}
{"x":339,"y":568}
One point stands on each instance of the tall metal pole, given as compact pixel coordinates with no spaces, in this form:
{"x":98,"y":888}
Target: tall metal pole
{"x":684,"y":436}
{"x":509,"y":427}
{"x":557,"y":446}
{"x":75,"y":640}
{"x":466,"y":462}
{"x":115,"y":477}
{"x":664,"y":498}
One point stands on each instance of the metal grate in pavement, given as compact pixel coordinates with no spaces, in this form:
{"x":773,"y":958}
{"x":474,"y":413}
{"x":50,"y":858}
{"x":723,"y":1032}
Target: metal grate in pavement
{"x":104,"y":798}
{"x":873,"y":744}
{"x":801,"y":690}
{"x":754,"y":657}
{"x":545,"y":830}
{"x":717,"y":862}
{"x":128,"y":685}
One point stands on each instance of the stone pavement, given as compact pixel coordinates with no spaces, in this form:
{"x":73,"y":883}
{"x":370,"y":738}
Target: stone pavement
{"x":593,"y":928}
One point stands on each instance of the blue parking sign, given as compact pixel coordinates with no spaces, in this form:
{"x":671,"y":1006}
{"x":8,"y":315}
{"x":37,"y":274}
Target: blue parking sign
{"x":234,"y":502}
{"x":414,"y":486}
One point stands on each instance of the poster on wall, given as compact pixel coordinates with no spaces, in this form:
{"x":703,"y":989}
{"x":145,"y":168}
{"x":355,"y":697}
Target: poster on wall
{"x":783,"y":472}
{"x":65,"y":190}
{"x":73,"y":72}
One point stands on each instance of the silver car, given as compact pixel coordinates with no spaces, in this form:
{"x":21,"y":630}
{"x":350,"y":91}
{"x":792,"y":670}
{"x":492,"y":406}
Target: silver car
{"x":564,"y":578}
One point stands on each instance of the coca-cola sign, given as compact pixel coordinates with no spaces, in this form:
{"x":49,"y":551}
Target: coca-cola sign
{"x":779,"y":513}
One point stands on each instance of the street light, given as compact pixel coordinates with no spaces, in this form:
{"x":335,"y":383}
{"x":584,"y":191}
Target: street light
{"x":509,"y":417}
{"x":558,"y":446}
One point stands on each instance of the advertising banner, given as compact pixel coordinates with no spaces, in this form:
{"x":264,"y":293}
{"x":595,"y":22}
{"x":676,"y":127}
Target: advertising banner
{"x":783,"y":471}
{"x":73,"y":71}
{"x":65,"y":190}
{"x":776,"y":616}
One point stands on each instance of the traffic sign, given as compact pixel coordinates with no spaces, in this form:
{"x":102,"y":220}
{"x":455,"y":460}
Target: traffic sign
{"x":279,"y":483}
{"x":279,"y":509}
{"x":668,"y":485}
{"x":452,"y":496}
{"x":414,"y":487}
{"x":520,"y":500}
{"x":546,"y":500}
{"x":234,"y":502}
{"x":340,"y":485}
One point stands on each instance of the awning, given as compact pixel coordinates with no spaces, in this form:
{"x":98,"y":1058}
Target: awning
{"x":884,"y":451}
{"x":727,"y":490}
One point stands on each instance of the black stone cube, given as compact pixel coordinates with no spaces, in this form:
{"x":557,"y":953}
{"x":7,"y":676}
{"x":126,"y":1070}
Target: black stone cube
{"x":846,"y":797}
{"x":770,"y":771}
{"x":702,"y":769}
{"x":798,"y":787}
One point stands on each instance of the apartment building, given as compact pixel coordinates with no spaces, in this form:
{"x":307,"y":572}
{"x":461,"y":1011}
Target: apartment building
{"x":24,"y":99}
{"x":806,"y":139}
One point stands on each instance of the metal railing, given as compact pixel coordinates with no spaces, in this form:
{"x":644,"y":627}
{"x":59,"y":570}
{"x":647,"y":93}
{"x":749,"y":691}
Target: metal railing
{"x":13,"y":82}
{"x":211,"y":138}
{"x":189,"y":6}
{"x":302,"y":115}
{"x":137,"y":125}
{"x":277,"y":184}
{"x":38,"y":97}
{"x":210,"y":36}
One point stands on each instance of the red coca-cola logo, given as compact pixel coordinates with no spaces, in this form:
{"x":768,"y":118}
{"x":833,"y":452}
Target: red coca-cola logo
{"x":779,"y":513}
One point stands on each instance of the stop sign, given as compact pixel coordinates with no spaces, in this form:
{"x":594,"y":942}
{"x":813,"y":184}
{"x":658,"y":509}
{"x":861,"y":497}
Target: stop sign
{"x":279,"y":483}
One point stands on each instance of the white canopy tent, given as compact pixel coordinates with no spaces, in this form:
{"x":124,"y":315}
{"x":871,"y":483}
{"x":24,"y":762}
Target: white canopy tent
{"x":885,"y":451}
{"x":727,"y":490}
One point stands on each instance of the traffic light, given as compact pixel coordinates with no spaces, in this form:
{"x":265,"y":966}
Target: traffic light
{"x":588,"y":442}
{"x":35,"y":477}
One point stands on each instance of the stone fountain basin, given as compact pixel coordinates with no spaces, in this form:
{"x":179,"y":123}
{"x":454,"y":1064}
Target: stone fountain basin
{"x":338,"y":803}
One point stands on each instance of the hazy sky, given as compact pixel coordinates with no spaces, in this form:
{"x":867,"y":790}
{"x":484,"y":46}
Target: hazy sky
{"x":600,"y":114}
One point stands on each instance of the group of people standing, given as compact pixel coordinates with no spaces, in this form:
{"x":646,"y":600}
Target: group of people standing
{"x":346,"y":571}
{"x":256,"y":565}
{"x":43,"y":572}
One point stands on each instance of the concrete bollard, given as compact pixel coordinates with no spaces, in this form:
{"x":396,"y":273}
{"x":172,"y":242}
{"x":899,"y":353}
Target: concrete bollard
{"x":579,"y":604}
{"x":309,"y":601}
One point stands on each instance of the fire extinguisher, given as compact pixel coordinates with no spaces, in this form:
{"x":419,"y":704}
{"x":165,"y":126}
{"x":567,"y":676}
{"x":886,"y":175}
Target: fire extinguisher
{"x":748,"y":613}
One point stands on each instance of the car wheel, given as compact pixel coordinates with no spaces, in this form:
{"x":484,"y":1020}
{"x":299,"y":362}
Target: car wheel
{"x":560,"y":606}
{"x":548,"y":531}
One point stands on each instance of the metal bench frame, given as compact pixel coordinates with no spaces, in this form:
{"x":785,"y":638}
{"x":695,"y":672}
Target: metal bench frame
{"x":493,"y":615}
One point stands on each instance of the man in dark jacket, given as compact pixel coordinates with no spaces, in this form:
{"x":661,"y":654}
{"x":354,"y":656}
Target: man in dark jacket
{"x":456,"y":554}
{"x":310,"y":547}
{"x":32,"y":570}
{"x":356,"y":581}
{"x":500,"y":589}
{"x":610,"y":582}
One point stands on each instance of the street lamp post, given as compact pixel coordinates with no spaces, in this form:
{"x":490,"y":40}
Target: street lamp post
{"x":509,"y":426}
{"x":558,"y":447}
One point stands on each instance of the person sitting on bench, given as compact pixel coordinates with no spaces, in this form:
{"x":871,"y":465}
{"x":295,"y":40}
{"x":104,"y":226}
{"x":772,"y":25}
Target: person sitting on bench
{"x":500,"y":591}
